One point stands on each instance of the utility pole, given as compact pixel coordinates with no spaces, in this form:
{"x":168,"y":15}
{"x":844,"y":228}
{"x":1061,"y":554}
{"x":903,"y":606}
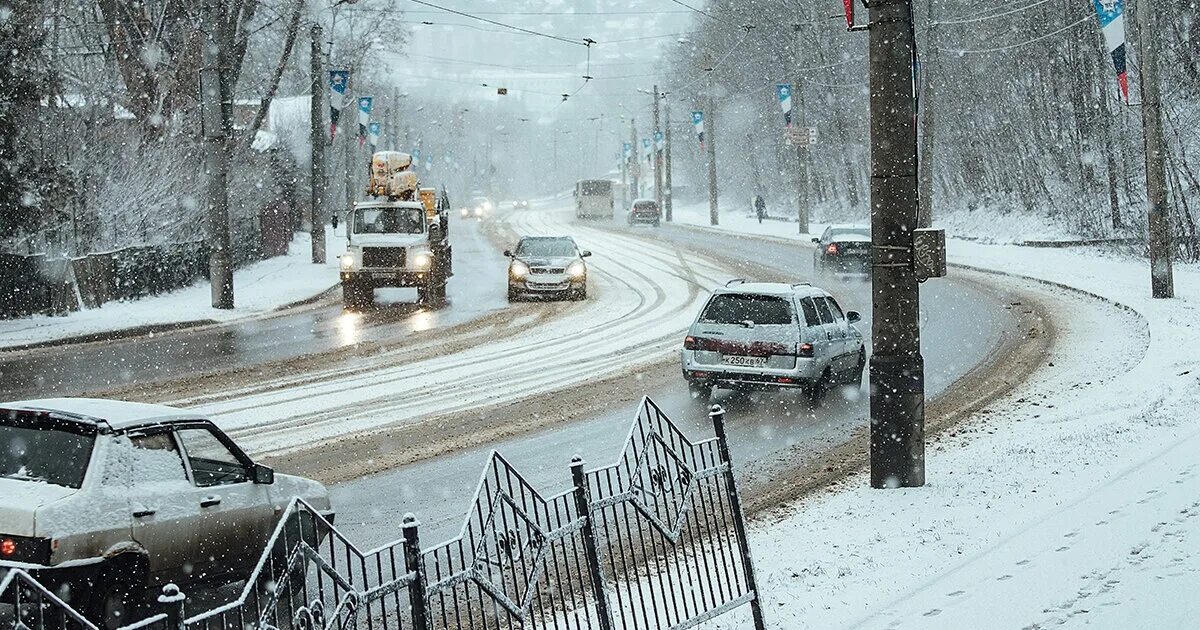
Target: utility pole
{"x":667,"y":194}
{"x":1162,"y":282}
{"x":928,"y":113}
{"x":349,"y":142}
{"x":710,"y":141}
{"x":802,"y":148}
{"x":658,"y":176}
{"x":897,"y":368}
{"x":635,"y":164}
{"x":216,"y":156}
{"x":316,"y":137}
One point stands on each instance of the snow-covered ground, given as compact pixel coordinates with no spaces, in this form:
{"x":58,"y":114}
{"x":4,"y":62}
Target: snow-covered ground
{"x":258,"y":288}
{"x":1073,"y":501}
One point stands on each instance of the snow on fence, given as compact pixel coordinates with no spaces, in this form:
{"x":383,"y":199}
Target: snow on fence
{"x":655,"y":540}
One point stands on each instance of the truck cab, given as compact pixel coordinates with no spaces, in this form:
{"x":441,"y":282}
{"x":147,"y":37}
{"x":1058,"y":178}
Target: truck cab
{"x":394,"y":244}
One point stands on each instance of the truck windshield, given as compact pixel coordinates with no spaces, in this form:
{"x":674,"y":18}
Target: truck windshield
{"x":546,"y":247}
{"x":389,"y":220}
{"x":592,"y":188}
{"x":734,"y":308}
{"x":41,"y":450}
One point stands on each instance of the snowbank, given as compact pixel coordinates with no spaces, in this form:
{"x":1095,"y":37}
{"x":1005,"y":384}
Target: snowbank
{"x":259,"y":288}
{"x":1075,"y":500}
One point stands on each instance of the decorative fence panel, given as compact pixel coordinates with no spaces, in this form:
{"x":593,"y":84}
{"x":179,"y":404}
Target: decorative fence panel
{"x":655,"y":540}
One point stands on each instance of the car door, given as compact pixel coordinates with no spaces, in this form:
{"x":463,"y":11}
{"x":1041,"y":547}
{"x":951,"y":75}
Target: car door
{"x":162,"y":502}
{"x":833,"y":335}
{"x":236,"y":514}
{"x":816,"y":330}
{"x":846,"y":358}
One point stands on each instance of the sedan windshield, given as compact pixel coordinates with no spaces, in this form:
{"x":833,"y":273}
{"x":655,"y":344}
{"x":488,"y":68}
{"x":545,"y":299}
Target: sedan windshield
{"x":49,"y":453}
{"x":546,"y":248}
{"x":389,"y":221}
{"x":735,"y":308}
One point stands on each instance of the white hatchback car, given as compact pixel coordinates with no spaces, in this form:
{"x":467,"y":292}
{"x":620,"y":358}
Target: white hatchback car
{"x":106,"y":500}
{"x":753,"y":336}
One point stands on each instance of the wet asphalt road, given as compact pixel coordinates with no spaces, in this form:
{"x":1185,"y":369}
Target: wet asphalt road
{"x":961,"y":325}
{"x":476,"y":289}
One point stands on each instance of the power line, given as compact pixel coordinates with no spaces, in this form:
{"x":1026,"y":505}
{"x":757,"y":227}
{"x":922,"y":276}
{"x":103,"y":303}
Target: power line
{"x":971,"y":20}
{"x":501,"y":24}
{"x":984,"y":51}
{"x":704,"y":13}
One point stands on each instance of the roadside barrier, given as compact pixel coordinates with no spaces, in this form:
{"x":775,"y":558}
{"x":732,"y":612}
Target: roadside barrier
{"x":655,"y":540}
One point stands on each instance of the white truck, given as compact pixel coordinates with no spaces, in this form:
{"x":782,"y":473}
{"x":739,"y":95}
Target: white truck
{"x":594,"y":199}
{"x":398,"y":241}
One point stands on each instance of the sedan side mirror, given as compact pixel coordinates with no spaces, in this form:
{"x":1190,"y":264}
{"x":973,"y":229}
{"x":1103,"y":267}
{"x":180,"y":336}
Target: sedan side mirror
{"x":816,"y":240}
{"x":334,"y":220}
{"x":508,"y":253}
{"x":853,"y":317}
{"x":584,"y":254}
{"x":263,"y":475}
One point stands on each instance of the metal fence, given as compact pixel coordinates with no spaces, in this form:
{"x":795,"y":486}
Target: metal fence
{"x":655,"y":540}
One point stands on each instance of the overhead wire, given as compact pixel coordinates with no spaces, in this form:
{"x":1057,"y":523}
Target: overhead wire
{"x":986,"y":51}
{"x":579,"y":42}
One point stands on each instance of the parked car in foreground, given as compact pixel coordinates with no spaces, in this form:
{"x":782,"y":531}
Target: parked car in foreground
{"x":644,"y":211}
{"x":105,"y":501}
{"x":756,"y":336}
{"x":844,"y":249}
{"x":547,"y":266}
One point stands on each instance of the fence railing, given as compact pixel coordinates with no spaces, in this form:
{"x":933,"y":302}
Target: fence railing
{"x":655,"y":540}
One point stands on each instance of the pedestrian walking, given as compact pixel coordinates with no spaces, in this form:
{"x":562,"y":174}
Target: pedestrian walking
{"x":760,"y":207}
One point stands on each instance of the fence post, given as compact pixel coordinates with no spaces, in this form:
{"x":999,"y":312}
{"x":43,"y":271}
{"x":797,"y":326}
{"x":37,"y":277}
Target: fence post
{"x":413,"y":565}
{"x":717,"y":414}
{"x":582,"y":498}
{"x":173,"y":600}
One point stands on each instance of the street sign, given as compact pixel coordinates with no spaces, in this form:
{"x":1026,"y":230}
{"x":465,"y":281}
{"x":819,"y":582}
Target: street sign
{"x":801,"y":136}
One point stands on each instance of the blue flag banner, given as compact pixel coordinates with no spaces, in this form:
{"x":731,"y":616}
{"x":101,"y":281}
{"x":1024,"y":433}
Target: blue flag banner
{"x":364,"y":117}
{"x":658,"y":140}
{"x":784,"y":90}
{"x":646,"y":150}
{"x":373,"y":132}
{"x":628,"y":148}
{"x":1112,"y":23}
{"x":416,"y":158}
{"x":338,"y":80}
{"x":698,"y":123}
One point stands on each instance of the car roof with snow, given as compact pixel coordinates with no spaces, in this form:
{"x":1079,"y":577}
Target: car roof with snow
{"x":117,"y":414}
{"x":781,"y":289}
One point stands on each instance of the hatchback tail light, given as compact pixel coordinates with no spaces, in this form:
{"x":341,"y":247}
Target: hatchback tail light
{"x":689,"y":343}
{"x":805,"y":350}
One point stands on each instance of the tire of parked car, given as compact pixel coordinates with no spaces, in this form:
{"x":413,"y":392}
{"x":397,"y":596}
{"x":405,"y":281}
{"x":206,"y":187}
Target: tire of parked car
{"x":118,"y":594}
{"x":700,"y":391}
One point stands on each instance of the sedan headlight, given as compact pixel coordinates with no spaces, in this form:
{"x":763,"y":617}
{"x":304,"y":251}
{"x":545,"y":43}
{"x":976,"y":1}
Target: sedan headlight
{"x":518,"y":269}
{"x":347,"y":262}
{"x":422,"y":260}
{"x":479,"y":211}
{"x":576,"y":270}
{"x":466,"y":212}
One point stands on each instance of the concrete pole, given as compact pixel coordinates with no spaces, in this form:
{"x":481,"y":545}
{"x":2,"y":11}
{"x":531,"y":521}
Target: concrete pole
{"x":317,"y":141}
{"x":216,"y":158}
{"x":710,"y":141}
{"x":1162,"y":282}
{"x":928,"y":115}
{"x":897,"y":368}
{"x":658,"y":176}
{"x":667,"y":194}
{"x":802,"y":214}
{"x":635,"y":165}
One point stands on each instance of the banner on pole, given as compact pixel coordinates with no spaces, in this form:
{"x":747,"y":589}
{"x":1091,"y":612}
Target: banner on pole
{"x":338,"y":79}
{"x":628,"y":150}
{"x":364,"y":118}
{"x":373,"y":133}
{"x":646,"y":150}
{"x":698,"y":123}
{"x":1112,"y":23}
{"x":784,"y":90}
{"x":659,"y":140}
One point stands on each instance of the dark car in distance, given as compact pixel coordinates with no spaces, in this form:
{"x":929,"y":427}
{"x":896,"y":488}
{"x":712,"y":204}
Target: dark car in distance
{"x":843,"y":249}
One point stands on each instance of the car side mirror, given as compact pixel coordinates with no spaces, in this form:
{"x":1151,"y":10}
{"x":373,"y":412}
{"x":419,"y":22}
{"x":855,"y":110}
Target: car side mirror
{"x":816,"y":240}
{"x":584,"y":254}
{"x":263,"y":475}
{"x":853,"y":317}
{"x":508,"y":253}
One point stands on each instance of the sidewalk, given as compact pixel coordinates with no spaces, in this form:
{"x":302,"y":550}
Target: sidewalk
{"x":258,"y":288}
{"x":1073,"y":501}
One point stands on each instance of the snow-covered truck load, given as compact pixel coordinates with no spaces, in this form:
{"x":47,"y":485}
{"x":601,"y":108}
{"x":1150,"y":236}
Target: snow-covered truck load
{"x":594,"y":199}
{"x":392,"y":176}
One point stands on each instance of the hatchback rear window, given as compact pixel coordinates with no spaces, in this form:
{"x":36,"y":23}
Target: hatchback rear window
{"x":45,"y":450}
{"x":735,"y":308}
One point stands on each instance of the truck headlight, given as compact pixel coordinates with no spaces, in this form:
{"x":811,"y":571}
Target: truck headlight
{"x":518,"y":269}
{"x":576,"y":270}
{"x":422,"y":261}
{"x":347,"y":262}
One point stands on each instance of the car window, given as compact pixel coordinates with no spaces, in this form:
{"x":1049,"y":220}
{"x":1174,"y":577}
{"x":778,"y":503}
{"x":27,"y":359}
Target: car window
{"x":546,"y":247}
{"x":44,"y":451}
{"x":212,"y":463}
{"x":823,"y":311}
{"x":835,"y":310}
{"x":156,"y":458}
{"x":825,"y":235}
{"x":810,"y":312}
{"x":734,"y":308}
{"x":843,"y":232}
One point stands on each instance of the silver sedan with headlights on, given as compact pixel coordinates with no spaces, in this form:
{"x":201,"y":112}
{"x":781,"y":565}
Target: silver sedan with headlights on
{"x":550,"y":266}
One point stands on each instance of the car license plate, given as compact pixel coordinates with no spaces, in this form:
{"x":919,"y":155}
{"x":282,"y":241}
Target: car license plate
{"x":382,"y":274}
{"x":739,"y":361}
